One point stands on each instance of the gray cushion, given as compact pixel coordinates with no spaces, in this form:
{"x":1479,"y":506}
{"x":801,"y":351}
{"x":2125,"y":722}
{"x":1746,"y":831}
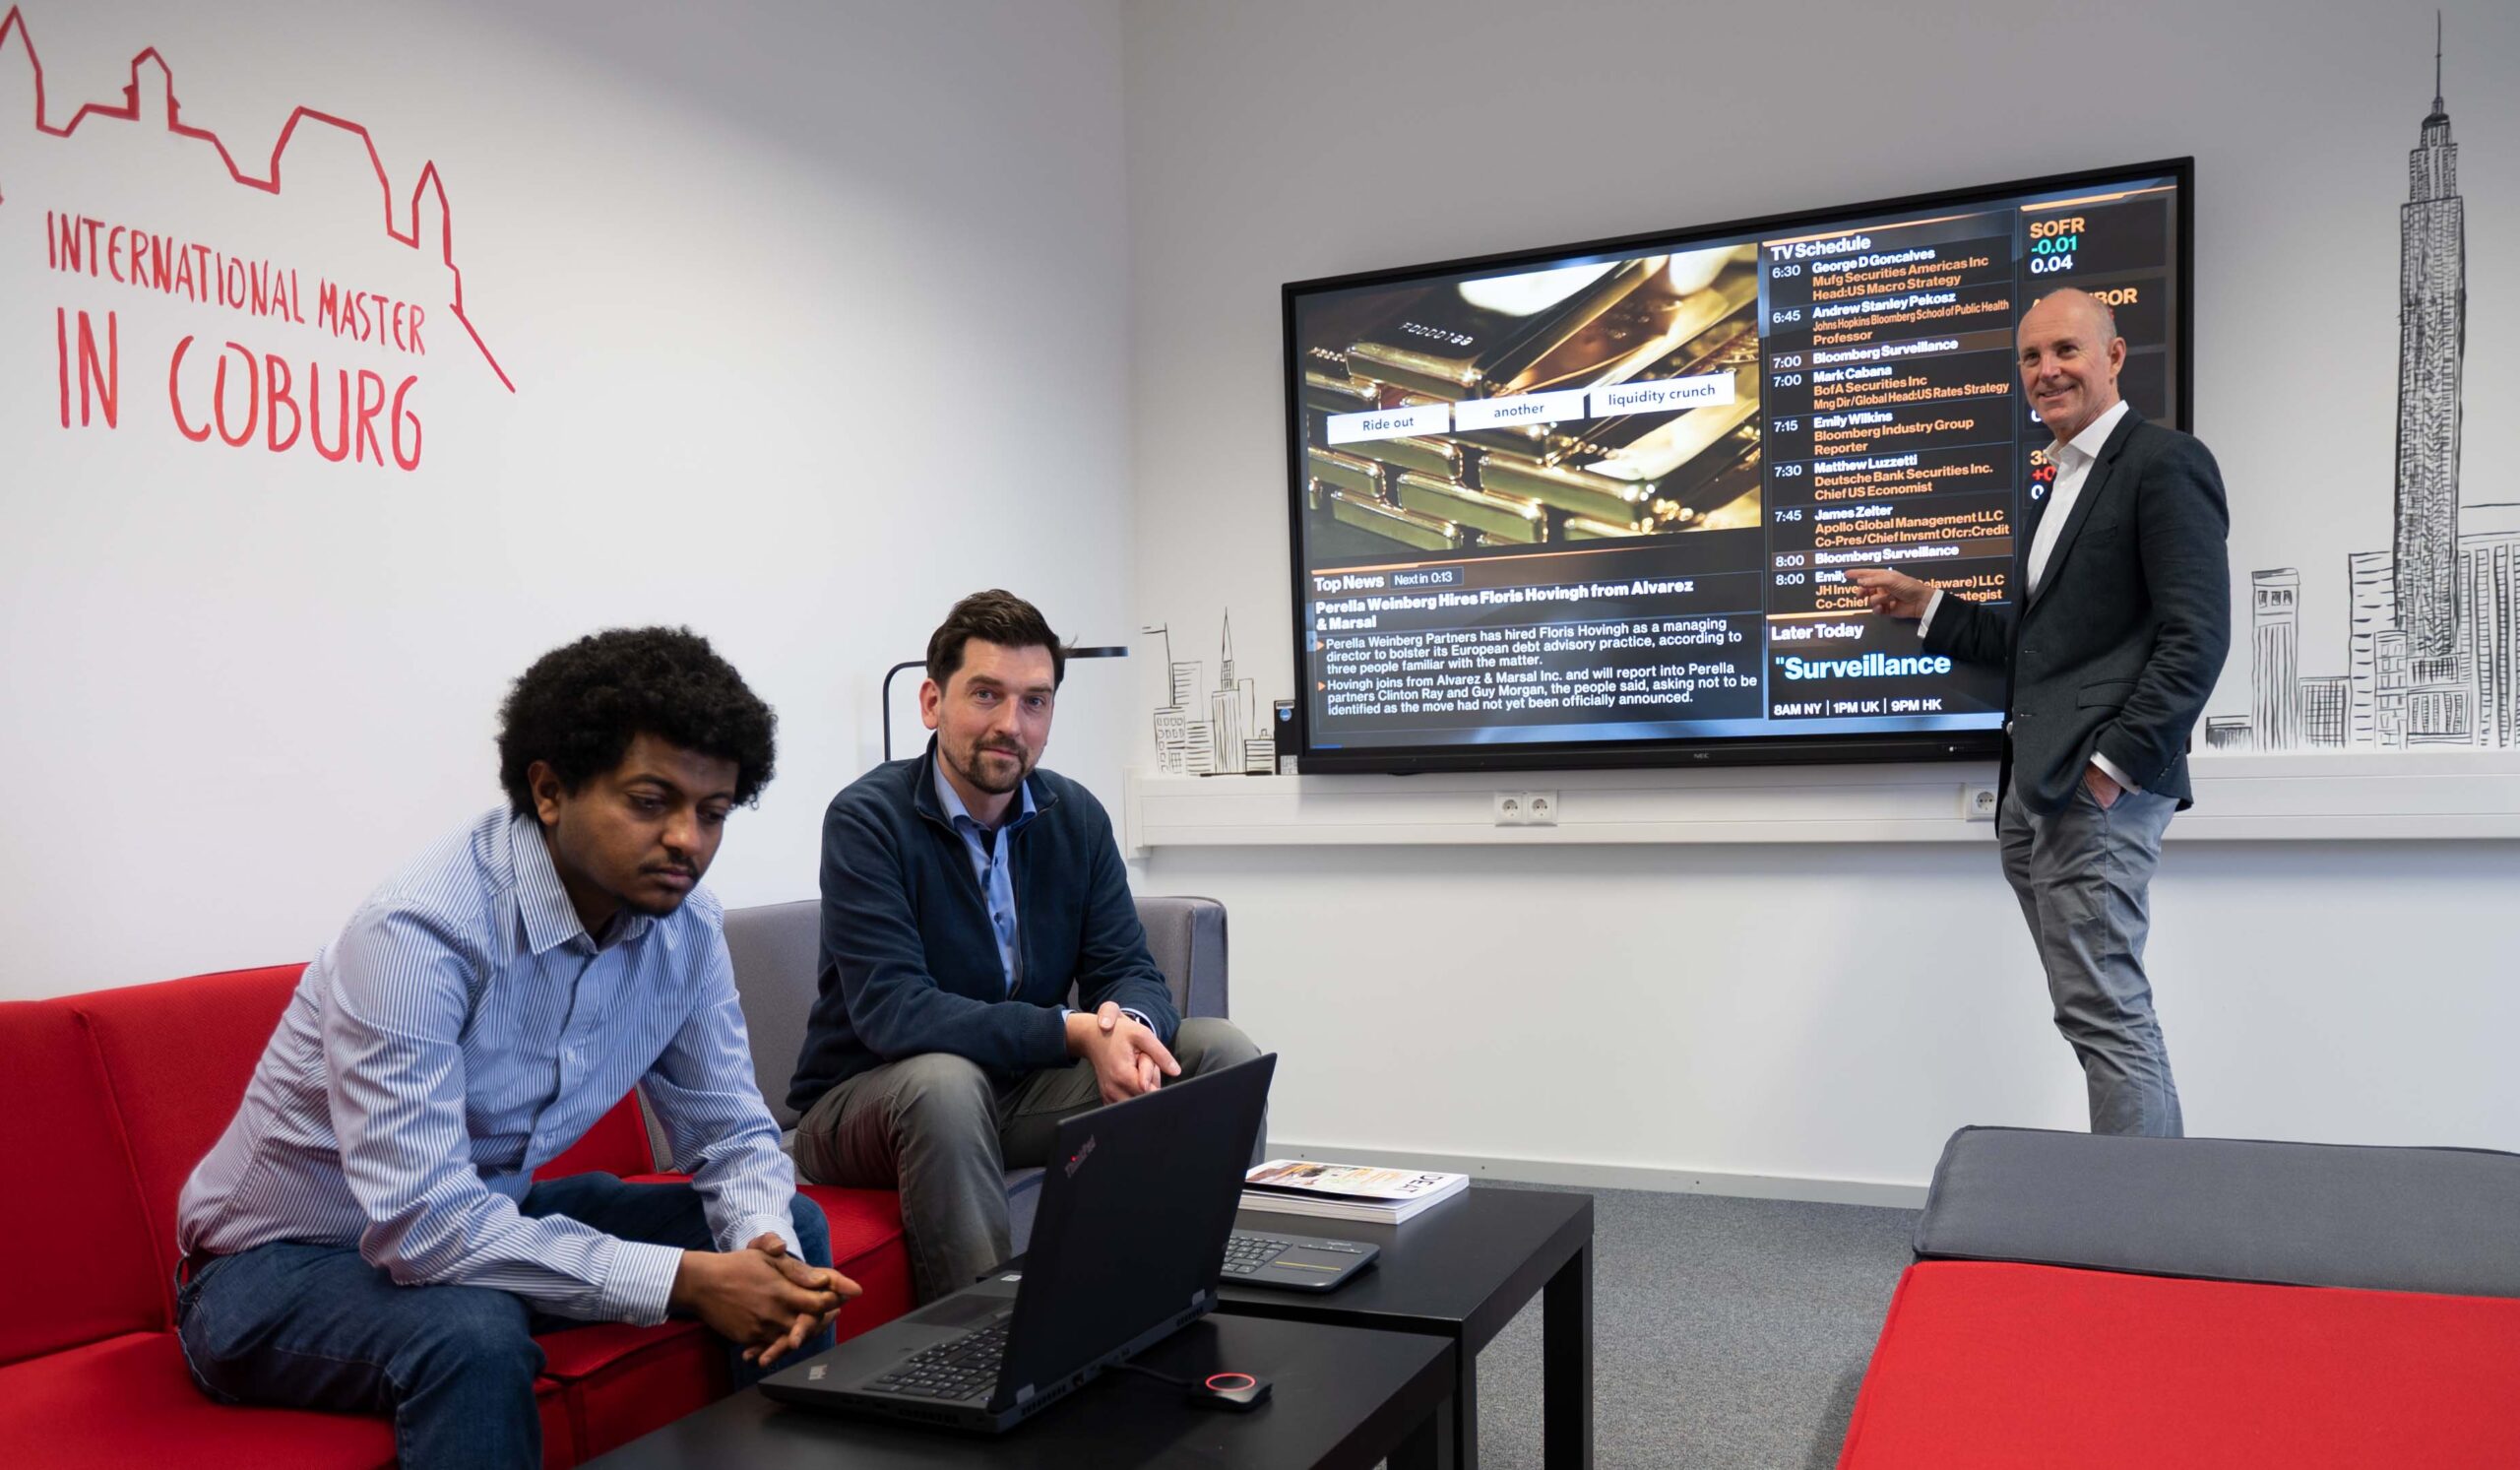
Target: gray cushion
{"x":2441,"y":1220}
{"x":776,"y":949}
{"x":1185,"y":936}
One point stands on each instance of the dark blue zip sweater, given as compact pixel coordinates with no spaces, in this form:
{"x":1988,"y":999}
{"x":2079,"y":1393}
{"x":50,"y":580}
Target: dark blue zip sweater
{"x":909,"y":960}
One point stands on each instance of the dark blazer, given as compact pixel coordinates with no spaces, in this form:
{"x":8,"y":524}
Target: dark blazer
{"x":2120,"y":646}
{"x":909,"y":963}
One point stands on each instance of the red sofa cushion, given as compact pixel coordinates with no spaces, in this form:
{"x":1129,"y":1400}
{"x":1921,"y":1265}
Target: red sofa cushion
{"x":128,"y":1401}
{"x":616,"y":1144}
{"x":624,"y":1381}
{"x":177,"y":1056}
{"x":75,"y":1259}
{"x":1996,"y":1365}
{"x":867,"y":1247}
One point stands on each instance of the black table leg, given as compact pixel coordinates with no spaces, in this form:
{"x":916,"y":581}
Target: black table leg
{"x":1566,"y":1365}
{"x":1423,"y":1448}
{"x":1461,"y":1432}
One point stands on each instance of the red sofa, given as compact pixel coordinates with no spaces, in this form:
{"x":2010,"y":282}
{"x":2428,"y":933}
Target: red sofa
{"x":2087,"y":1303}
{"x":108,"y":1099}
{"x":1995,"y":1364}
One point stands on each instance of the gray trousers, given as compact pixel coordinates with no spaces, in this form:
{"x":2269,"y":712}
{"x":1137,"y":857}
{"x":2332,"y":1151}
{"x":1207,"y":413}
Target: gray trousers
{"x":939,"y":1129}
{"x":2084,"y":878}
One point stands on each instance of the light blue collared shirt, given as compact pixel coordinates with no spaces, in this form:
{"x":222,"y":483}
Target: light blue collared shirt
{"x":993,"y":862}
{"x":992,"y":853}
{"x":463,"y":1031}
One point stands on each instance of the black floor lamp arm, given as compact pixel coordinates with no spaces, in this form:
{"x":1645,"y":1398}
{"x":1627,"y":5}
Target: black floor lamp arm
{"x":1104,"y":651}
{"x":888,"y":700}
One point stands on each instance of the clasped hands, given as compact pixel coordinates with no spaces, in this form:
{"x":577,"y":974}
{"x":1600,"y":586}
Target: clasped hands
{"x":1127,"y":1057}
{"x":760,"y":1295}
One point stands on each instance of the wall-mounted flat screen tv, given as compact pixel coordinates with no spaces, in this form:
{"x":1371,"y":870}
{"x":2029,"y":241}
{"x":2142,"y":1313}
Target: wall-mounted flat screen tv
{"x":1594,"y":505}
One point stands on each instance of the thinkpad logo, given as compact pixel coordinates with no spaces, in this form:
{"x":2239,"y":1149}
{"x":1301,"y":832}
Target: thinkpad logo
{"x":1076,"y":1161}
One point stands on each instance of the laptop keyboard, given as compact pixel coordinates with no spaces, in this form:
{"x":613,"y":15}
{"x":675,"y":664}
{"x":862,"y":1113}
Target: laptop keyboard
{"x":965,"y":1367}
{"x":968,"y":1367}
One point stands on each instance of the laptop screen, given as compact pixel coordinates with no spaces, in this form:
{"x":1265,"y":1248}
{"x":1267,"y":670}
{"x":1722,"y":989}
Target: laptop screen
{"x":1136,"y":1205}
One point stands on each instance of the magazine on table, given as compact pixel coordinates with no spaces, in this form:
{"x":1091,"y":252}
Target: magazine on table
{"x":1346,"y":1192}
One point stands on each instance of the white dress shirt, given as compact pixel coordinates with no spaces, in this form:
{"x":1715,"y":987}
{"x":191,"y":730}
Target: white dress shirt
{"x":2073,"y":460}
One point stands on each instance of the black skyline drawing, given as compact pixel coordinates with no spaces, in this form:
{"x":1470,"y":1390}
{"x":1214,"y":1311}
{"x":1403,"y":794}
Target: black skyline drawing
{"x":1231,"y":740}
{"x":2434,"y":652}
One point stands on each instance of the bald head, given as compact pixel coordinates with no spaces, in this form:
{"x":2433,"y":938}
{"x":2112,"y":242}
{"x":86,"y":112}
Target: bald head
{"x":2070,"y":354}
{"x":2090,"y":310}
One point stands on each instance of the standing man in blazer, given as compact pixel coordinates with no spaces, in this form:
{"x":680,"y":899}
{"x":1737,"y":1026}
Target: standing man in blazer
{"x":2113,"y":647}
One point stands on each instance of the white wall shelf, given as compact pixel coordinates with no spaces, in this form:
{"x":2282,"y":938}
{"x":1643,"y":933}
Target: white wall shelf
{"x":2460,"y":794}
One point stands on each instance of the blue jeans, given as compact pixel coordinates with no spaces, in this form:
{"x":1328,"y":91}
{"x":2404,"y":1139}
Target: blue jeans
{"x":313,"y":1326}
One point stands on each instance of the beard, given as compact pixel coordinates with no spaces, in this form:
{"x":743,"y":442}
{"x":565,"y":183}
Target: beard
{"x":974,"y":768}
{"x":657,"y":908}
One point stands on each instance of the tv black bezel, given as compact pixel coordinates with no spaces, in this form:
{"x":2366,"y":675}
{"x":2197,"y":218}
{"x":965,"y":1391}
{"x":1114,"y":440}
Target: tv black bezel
{"x":1759,"y":750}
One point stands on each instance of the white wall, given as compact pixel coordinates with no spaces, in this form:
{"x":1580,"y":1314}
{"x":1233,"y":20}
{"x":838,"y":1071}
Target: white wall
{"x":820,"y":315}
{"x":1821,"y":1012}
{"x":817,"y":315}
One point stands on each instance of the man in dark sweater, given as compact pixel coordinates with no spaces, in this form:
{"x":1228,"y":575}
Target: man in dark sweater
{"x":964,"y":892}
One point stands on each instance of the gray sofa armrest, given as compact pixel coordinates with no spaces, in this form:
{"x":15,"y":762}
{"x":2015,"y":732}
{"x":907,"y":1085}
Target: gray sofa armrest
{"x":1186,"y":937}
{"x":776,"y":949}
{"x":2443,"y":1220}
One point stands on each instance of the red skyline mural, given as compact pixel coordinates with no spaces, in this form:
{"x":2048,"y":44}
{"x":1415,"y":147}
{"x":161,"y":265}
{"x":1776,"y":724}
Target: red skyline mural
{"x":14,"y":28}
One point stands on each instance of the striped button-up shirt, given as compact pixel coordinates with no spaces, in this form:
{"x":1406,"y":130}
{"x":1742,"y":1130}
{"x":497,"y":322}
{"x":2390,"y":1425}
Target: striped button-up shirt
{"x":463,"y":1031}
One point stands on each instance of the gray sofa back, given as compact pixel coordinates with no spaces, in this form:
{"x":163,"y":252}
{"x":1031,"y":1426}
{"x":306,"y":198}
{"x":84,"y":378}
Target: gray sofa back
{"x":776,"y":949}
{"x":2443,"y":1220}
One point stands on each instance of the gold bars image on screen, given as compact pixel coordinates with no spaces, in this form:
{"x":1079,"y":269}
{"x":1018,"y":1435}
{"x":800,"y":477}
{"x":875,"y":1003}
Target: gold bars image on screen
{"x":1613,"y":399}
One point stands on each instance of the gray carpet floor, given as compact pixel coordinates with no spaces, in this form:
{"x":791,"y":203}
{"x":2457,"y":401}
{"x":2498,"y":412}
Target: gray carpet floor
{"x":1725,"y":1332}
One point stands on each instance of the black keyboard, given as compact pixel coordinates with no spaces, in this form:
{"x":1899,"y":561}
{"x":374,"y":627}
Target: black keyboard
{"x":1295,"y":1263}
{"x":965,"y":1367}
{"x":1245,"y":1253}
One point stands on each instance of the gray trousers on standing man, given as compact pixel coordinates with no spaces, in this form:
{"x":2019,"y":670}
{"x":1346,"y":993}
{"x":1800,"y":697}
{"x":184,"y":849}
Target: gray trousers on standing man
{"x":2083,"y":876}
{"x":942,"y":1131}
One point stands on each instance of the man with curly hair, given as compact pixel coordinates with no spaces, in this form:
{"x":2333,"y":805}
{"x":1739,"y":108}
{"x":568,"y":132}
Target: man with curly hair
{"x":966,"y":894}
{"x":369,"y":1236}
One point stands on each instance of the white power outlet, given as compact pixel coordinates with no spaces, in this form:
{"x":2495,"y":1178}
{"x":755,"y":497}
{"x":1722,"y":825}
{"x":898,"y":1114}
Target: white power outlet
{"x":1526,"y":808}
{"x":1977,"y":803}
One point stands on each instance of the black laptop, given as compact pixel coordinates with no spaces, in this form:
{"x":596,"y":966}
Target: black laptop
{"x":1128,"y":1246}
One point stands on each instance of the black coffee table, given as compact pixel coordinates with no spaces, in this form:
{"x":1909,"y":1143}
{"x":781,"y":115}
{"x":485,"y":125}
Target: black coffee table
{"x":1343,"y":1399}
{"x":1460,"y":1272}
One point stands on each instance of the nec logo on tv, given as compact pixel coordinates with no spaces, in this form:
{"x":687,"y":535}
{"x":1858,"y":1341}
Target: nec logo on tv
{"x":1076,"y":1161}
